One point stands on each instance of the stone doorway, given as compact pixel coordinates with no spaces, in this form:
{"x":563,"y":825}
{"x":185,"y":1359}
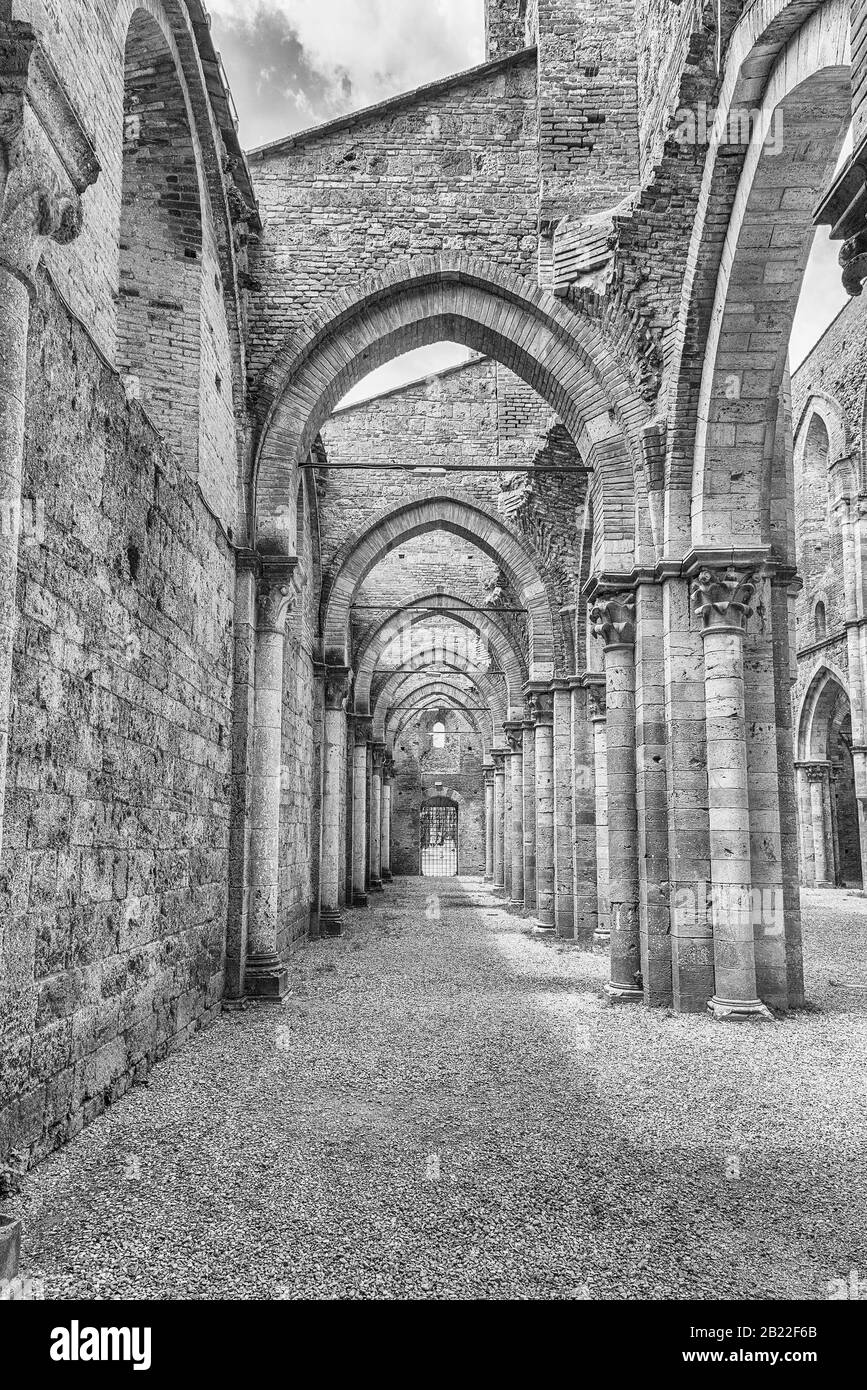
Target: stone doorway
{"x":439,"y":838}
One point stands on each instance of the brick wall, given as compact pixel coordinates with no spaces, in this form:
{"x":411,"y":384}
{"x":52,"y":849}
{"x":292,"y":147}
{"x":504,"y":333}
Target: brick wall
{"x":85,"y":40}
{"x":453,"y":168}
{"x":113,"y":883}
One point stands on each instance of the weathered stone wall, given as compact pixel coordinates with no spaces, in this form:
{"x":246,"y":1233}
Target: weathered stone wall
{"x":476,"y":414}
{"x":451,"y":168}
{"x":833,"y":377}
{"x":113,"y":885}
{"x":419,"y":770}
{"x":86,"y":40}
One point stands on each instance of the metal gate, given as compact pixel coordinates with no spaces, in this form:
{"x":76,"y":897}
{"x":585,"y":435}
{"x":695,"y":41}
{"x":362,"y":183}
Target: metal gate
{"x":439,"y":839}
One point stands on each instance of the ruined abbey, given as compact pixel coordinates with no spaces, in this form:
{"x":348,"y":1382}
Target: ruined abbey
{"x":582,"y":618}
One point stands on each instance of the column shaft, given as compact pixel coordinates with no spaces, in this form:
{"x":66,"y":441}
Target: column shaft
{"x":564,"y":884}
{"x":385,"y":853}
{"x":332,"y":795}
{"x":489,"y":824}
{"x":529,"y":742}
{"x":543,"y":714}
{"x":14,"y":320}
{"x":498,"y":821}
{"x":265,"y":976}
{"x":359,"y":824}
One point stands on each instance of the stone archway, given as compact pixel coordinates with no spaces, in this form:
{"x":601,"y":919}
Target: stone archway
{"x":828,"y":810}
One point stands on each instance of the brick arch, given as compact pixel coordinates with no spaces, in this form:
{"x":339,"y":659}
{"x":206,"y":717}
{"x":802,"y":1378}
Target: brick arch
{"x":733,"y":320}
{"x":458,"y":518}
{"x":561,"y":354}
{"x":511,"y":661}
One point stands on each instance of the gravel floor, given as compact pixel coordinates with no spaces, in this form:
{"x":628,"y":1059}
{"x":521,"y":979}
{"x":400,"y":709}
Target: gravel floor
{"x":446,"y":1107}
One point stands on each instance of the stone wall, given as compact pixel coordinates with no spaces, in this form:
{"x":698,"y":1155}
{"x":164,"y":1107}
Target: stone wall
{"x":423,"y":771}
{"x":113,"y":885}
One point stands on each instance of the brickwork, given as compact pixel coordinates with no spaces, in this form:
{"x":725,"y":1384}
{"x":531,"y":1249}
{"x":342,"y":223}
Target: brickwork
{"x":114,"y":885}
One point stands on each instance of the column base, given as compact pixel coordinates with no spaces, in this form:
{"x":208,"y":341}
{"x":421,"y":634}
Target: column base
{"x":266,"y":978}
{"x":387,"y":876}
{"x":544,"y":929}
{"x":517,"y":904}
{"x":330,"y":925}
{"x":375,"y":885}
{"x":488,"y":878}
{"x":624,"y":994}
{"x":359,"y":900}
{"x":738,"y":1010}
{"x":602,"y":939}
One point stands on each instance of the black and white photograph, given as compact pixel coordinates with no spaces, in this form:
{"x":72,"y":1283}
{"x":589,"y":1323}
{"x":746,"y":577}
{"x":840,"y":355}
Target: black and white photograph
{"x":433,"y":674}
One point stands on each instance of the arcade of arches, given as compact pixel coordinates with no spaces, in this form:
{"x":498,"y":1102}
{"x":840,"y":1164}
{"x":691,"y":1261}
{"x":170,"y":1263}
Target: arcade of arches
{"x":583,"y":616}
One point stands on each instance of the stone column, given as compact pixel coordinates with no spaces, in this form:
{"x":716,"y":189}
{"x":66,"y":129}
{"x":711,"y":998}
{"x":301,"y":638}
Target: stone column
{"x":499,"y":758}
{"x":334,"y":751}
{"x":362,"y":728}
{"x":564,"y":885}
{"x":805,"y":826}
{"x":265,"y":976}
{"x":583,"y":813}
{"x":385,"y":838}
{"x":613,"y":618}
{"x":721,"y":599}
{"x":514,"y":732}
{"x":378,"y":757}
{"x":596,"y":715}
{"x":489,"y":822}
{"x":529,"y":814}
{"x":542,"y":710}
{"x":817,"y":780}
{"x":46,"y":162}
{"x":507,"y":825}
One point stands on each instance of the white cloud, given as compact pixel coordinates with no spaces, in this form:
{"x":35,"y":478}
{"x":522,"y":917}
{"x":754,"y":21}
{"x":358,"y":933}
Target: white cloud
{"x":376,"y":48}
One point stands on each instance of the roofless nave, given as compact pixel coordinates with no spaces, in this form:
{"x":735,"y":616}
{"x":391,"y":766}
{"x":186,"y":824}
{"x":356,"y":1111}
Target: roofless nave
{"x":532,"y":620}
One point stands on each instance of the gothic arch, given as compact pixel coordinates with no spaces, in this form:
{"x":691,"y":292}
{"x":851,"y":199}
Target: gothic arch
{"x":827,"y":685}
{"x":558,"y":352}
{"x":368,"y":659}
{"x":459,"y":518}
{"x":731,"y":340}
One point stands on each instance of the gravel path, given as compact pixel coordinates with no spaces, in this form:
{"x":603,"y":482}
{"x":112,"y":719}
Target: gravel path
{"x":446,"y":1107}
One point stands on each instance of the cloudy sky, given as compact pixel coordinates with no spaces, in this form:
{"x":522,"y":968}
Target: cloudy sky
{"x":295,"y":63}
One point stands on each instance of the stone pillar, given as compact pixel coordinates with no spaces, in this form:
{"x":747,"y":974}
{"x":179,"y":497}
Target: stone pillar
{"x":654,"y":901}
{"x":721,"y":599}
{"x":564,"y":885}
{"x":499,"y":758}
{"x":514,"y":732}
{"x":334,"y":752}
{"x":817,"y":781}
{"x":805,"y":826}
{"x":596,"y":715}
{"x":613,"y":618}
{"x":542,"y":710}
{"x":362,"y":726}
{"x":385,"y":838}
{"x":46,"y":162}
{"x":507,"y":825}
{"x":489,"y":822}
{"x":583,"y":813}
{"x":265,"y":976}
{"x":378,"y":758}
{"x":243,"y":725}
{"x":529,"y":742}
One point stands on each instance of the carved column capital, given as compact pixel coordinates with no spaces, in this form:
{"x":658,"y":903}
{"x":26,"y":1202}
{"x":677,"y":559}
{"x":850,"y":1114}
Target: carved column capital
{"x":612,"y":620}
{"x":488,"y":773}
{"x":362,"y":728}
{"x":721,"y":598}
{"x":337,"y":682}
{"x":280,"y":582}
{"x":815,"y":771}
{"x":46,"y":157}
{"x":388,"y":767}
{"x":499,"y":756}
{"x":379,"y":751}
{"x":596,"y":705}
{"x":541,"y":703}
{"x":514,"y":731}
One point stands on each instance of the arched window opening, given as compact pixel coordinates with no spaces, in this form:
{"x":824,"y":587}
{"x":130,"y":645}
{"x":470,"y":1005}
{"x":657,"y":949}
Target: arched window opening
{"x":438,"y":736}
{"x":820,"y":622}
{"x":159,"y":299}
